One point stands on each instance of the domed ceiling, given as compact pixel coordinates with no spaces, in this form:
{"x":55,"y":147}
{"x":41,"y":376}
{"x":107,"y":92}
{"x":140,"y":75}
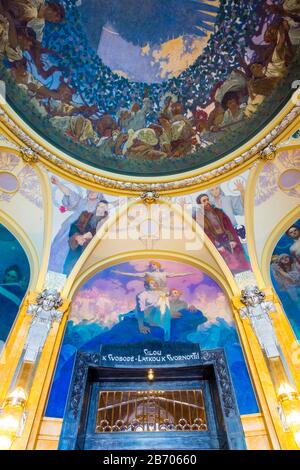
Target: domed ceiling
{"x":152,"y":87}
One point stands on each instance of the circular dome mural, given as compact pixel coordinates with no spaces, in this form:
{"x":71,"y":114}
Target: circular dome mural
{"x":148,"y":88}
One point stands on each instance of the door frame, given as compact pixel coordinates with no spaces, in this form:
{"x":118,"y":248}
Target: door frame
{"x":88,"y":366}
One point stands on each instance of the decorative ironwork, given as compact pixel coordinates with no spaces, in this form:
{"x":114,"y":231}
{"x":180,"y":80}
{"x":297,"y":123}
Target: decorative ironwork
{"x":83,"y":361}
{"x":150,"y":411}
{"x":216,"y":357}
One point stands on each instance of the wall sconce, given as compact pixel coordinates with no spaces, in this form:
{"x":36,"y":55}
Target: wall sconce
{"x":289,"y":400}
{"x":150,"y":374}
{"x":12,"y":417}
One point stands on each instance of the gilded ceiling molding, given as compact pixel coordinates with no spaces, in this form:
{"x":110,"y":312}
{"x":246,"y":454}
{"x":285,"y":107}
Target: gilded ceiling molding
{"x":36,"y":151}
{"x":268,"y":153}
{"x":149,"y":197}
{"x":28,"y":155}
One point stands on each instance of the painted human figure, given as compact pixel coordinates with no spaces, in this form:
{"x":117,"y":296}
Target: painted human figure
{"x":153,"y":308}
{"x":13,"y":41}
{"x":12,"y":290}
{"x":286,"y":271}
{"x":234,"y":111}
{"x":156,"y":273}
{"x":294,"y":233}
{"x":177,"y":304}
{"x":82,"y":231}
{"x":219,"y":229}
{"x":178,"y":129}
{"x":44,"y":313}
{"x":231,"y":205}
{"x":257,"y":311}
{"x":75,"y":203}
{"x":33,"y":15}
{"x":290,"y":11}
{"x":137,"y":115}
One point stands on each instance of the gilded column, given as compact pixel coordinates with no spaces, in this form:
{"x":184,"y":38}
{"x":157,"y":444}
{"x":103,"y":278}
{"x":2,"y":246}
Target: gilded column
{"x":278,"y":397}
{"x":36,"y":339}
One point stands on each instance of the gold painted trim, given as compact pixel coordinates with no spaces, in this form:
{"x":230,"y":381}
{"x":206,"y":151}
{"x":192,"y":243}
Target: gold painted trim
{"x":69,"y":168}
{"x":249,"y":206}
{"x":48,"y":219}
{"x":261,"y":379}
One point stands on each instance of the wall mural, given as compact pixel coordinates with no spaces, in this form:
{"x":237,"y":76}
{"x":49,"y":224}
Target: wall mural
{"x":220,"y":213}
{"x":14,"y":279}
{"x":285,"y":273}
{"x":156,"y":87}
{"x":78,"y":215}
{"x":148,"y":300}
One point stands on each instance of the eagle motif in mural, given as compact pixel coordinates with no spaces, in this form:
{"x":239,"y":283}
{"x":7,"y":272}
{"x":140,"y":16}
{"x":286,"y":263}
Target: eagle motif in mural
{"x":151,"y":21}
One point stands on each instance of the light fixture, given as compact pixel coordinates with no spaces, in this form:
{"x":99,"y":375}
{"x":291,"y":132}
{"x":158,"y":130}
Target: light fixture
{"x":286,"y":392}
{"x":5,"y":442}
{"x":9,"y":423}
{"x":150,"y":374}
{"x":297,"y":438}
{"x":16,"y":398}
{"x":12,"y":416}
{"x":289,"y":400}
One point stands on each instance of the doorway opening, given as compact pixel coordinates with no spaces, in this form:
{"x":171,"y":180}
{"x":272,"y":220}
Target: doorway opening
{"x":178,"y":409}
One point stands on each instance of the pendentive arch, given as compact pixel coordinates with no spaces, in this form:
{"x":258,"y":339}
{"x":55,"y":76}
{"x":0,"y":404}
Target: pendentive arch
{"x":258,"y":263}
{"x":46,"y":231}
{"x":104,"y":230}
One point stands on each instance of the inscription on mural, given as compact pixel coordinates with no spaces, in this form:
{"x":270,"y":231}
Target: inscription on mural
{"x":155,"y":355}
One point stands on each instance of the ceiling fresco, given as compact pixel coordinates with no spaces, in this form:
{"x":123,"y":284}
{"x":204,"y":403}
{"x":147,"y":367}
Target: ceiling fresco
{"x":148,"y":88}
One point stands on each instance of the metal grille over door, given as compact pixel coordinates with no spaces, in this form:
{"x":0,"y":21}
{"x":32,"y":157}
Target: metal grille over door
{"x":151,"y":410}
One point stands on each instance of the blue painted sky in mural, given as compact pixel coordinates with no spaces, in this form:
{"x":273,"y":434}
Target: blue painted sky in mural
{"x":132,"y":38}
{"x":150,"y":21}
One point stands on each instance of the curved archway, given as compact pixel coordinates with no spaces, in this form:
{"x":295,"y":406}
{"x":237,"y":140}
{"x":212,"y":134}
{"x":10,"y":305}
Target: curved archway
{"x":112,"y":225}
{"x":109,"y":297}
